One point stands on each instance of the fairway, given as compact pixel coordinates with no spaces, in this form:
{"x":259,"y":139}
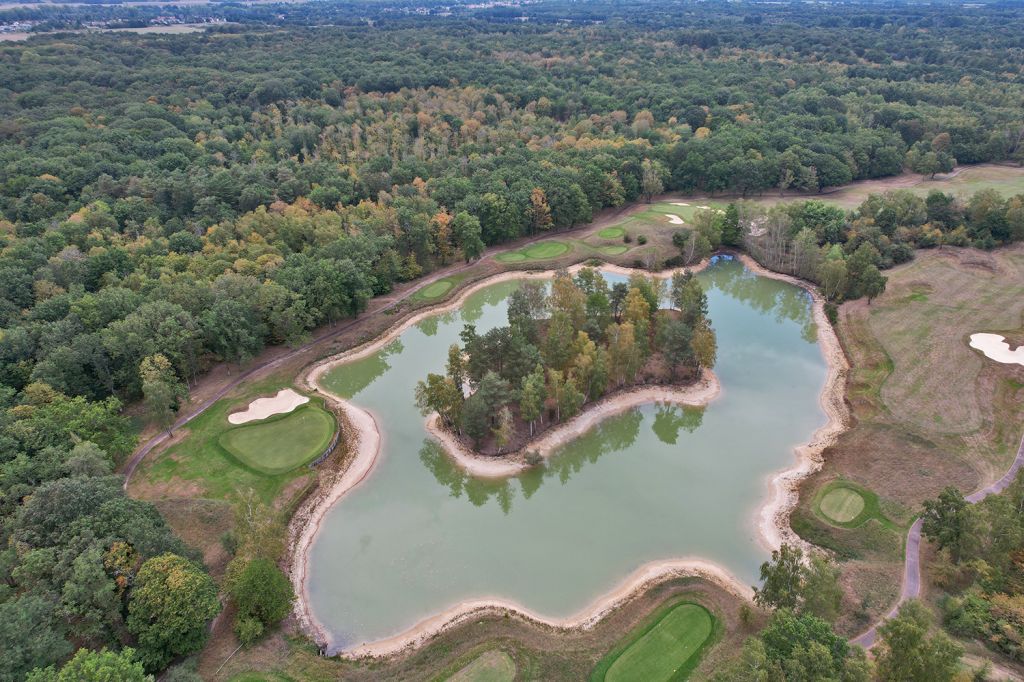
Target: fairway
{"x":434,"y":289}
{"x":611,"y":233}
{"x":665,"y":649}
{"x":842,"y":505}
{"x":539,"y":251}
{"x":280,"y":444}
{"x":492,"y":666}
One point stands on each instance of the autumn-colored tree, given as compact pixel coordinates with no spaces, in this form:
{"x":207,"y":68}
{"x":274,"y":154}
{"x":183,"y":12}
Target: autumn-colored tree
{"x":539,"y":213}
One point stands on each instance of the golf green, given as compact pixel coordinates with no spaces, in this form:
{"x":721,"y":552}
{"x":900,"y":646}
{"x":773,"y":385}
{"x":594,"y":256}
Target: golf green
{"x":842,"y":504}
{"x":614,"y":249}
{"x":666,"y":648}
{"x":611,"y":233}
{"x":281,"y":443}
{"x":538,"y":251}
{"x":434,"y":289}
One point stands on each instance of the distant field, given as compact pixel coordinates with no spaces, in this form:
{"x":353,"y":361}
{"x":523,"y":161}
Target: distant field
{"x":668,"y":648}
{"x":283,"y":442}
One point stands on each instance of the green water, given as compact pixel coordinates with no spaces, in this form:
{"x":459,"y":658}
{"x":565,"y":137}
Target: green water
{"x":656,"y":482}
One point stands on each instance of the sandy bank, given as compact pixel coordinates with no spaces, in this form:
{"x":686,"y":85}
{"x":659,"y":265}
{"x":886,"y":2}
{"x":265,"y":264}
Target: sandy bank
{"x":284,"y":402}
{"x":636,"y":583}
{"x":772,"y":522}
{"x":706,"y":389}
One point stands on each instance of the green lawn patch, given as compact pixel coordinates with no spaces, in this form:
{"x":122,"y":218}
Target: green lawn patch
{"x":492,"y":666}
{"x":842,"y":504}
{"x":668,"y":647}
{"x":611,"y":233}
{"x":613,"y":249}
{"x":283,"y":442}
{"x":434,"y":289}
{"x":538,"y":251}
{"x":848,"y":505}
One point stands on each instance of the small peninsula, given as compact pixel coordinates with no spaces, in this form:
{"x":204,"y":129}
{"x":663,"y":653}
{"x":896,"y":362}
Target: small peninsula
{"x":566,"y":349}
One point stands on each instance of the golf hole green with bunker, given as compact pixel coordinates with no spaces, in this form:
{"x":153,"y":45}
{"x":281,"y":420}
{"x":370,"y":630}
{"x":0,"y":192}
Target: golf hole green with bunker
{"x":281,"y":442}
{"x":657,"y":482}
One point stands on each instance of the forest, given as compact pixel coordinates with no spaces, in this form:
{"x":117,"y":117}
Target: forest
{"x":170,"y":202}
{"x":564,"y":349}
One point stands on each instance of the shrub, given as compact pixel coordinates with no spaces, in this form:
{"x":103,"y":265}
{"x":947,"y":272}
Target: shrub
{"x":642,"y":239}
{"x":627,"y":239}
{"x":832,"y":313}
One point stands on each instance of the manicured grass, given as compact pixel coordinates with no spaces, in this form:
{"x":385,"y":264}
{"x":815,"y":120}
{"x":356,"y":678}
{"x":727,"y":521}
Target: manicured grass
{"x":539,"y":251}
{"x":492,"y":666}
{"x":842,"y":504}
{"x":199,"y":467}
{"x":611,"y":233}
{"x":613,"y":249}
{"x":283,"y":442}
{"x":437,"y":289}
{"x":848,"y":505}
{"x":667,"y":647}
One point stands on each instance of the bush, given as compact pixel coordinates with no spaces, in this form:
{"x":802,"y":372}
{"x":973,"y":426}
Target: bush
{"x":248,"y":629}
{"x":642,"y":239}
{"x":263,"y":594}
{"x":832,"y":313}
{"x":627,"y":239}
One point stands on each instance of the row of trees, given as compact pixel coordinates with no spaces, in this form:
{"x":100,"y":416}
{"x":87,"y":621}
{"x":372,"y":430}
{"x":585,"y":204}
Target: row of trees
{"x":563,"y":349}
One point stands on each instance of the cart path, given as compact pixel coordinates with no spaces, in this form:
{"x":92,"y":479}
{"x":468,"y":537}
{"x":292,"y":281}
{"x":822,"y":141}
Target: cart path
{"x":911,"y":588}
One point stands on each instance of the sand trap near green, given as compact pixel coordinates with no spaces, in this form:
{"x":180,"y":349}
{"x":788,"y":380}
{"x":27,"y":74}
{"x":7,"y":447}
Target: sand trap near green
{"x":538,"y":251}
{"x":611,"y":233}
{"x":841,"y":504}
{"x":665,"y":649}
{"x":283,"y":442}
{"x":493,"y":666}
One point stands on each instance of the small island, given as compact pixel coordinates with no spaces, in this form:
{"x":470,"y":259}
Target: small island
{"x":565,"y":349}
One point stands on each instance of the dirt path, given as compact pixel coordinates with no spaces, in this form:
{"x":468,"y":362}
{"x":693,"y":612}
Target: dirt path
{"x":911,"y":588}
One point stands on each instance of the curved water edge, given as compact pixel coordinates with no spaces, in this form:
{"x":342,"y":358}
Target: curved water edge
{"x":697,"y":394}
{"x":772,"y":522}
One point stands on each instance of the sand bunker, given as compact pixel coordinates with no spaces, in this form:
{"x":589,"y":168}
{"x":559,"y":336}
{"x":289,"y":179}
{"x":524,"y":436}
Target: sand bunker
{"x":679,"y":203}
{"x":995,"y":347}
{"x":674,"y":219}
{"x":285,"y":401}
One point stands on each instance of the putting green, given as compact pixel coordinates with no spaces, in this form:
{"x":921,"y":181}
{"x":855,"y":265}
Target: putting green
{"x":434,"y":289}
{"x":611,"y":233}
{"x":665,"y":650}
{"x":538,"y":251}
{"x":283,"y":442}
{"x":614,"y":249}
{"x":841,"y":504}
{"x":493,"y":666}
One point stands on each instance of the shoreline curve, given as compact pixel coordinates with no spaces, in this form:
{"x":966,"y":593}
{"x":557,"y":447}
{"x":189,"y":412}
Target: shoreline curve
{"x":773,"y":525}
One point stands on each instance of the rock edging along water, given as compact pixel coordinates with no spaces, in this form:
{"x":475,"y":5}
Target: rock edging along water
{"x":698,"y":394}
{"x":774,"y":518}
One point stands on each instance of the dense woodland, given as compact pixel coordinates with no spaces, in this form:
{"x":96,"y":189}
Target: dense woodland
{"x":173,"y":201}
{"x":564,"y":349}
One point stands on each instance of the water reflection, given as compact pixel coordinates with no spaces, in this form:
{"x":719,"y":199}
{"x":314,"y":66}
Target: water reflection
{"x":350,"y":379}
{"x":670,"y":418}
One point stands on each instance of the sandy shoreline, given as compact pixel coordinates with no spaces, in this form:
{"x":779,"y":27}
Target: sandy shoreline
{"x":698,"y":394}
{"x":773,"y":519}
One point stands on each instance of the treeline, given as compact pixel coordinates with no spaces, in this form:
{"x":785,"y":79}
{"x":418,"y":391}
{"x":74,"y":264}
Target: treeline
{"x":844,"y":251}
{"x":564,"y":349}
{"x":979,"y":566}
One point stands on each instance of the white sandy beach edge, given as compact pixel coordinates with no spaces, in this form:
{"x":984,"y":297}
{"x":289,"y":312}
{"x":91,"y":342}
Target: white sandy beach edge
{"x":698,"y":394}
{"x":773,"y":525}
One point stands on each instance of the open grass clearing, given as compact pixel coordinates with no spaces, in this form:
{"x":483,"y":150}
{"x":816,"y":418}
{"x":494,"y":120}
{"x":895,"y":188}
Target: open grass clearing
{"x":491,"y":666}
{"x":281,"y":443}
{"x":667,"y":647}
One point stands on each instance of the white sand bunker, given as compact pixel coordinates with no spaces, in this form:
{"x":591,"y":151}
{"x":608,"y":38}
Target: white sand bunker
{"x":994,"y":346}
{"x":679,"y":203}
{"x":285,"y":401}
{"x":674,"y":219}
